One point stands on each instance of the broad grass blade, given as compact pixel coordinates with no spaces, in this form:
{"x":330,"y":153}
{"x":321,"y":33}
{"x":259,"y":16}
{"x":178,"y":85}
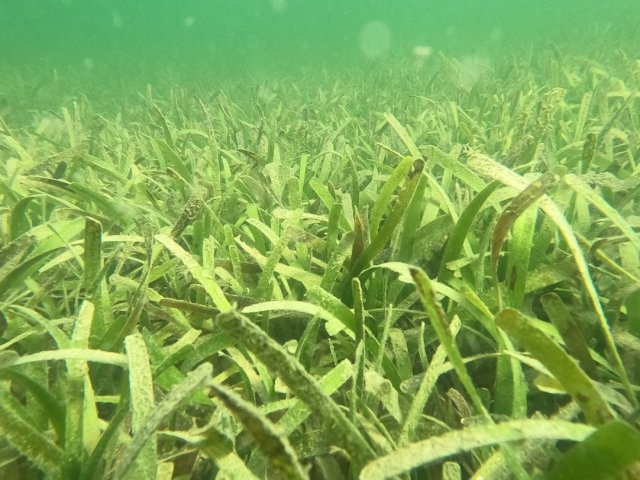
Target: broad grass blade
{"x":166,"y":407}
{"x":199,"y":273}
{"x":612,"y":451}
{"x":407,"y":458}
{"x":142,"y":403}
{"x":563,"y":367}
{"x":342,"y":432}
{"x":273,"y":444}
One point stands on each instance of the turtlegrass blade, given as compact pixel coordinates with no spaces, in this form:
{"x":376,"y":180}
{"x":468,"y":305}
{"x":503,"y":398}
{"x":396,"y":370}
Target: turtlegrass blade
{"x":336,"y":318}
{"x":323,"y":193}
{"x":337,"y":258}
{"x":563,"y":367}
{"x":617,"y":442}
{"x":437,"y":448}
{"x":266,"y":277}
{"x":632,"y":303}
{"x":86,"y":354}
{"x":429,"y":380}
{"x":519,"y":256}
{"x":19,"y":277}
{"x":19,"y":221}
{"x":174,"y":161}
{"x":359,"y":238}
{"x":560,"y":316}
{"x":164,"y":409}
{"x":601,"y":204}
{"x":307,"y":343}
{"x":81,"y":414}
{"x":450,"y":163}
{"x":404,"y":135}
{"x":384,"y":195}
{"x":219,"y":447}
{"x":115,"y":335}
{"x":386,"y":231}
{"x":461,"y":230}
{"x":234,"y":255}
{"x":441,"y":325}
{"x":51,"y":406}
{"x":298,"y":411}
{"x":92,"y":251}
{"x":588,"y":152}
{"x":12,"y":254}
{"x":330,"y":383}
{"x":273,"y":444}
{"x":109,"y":437}
{"x":405,"y":245}
{"x":142,"y":403}
{"x":333,"y":224}
{"x":14,"y":145}
{"x":516,"y":207}
{"x":319,"y":296}
{"x":303,"y":276}
{"x":347,"y":319}
{"x":26,"y":438}
{"x":357,"y":390}
{"x":105,"y":203}
{"x":166,"y":375}
{"x":92,"y":267}
{"x":342,"y":431}
{"x":400,"y":350}
{"x":531,"y":452}
{"x":199,"y":273}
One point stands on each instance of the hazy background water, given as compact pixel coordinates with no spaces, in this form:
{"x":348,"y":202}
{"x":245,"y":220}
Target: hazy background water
{"x":265,"y":35}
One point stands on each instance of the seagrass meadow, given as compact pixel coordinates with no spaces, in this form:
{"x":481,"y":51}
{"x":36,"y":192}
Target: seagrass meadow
{"x":400,"y":270}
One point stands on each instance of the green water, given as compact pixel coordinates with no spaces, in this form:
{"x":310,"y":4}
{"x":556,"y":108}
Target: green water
{"x":267,"y":35}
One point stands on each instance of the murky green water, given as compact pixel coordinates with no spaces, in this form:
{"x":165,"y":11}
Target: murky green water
{"x":262,"y":35}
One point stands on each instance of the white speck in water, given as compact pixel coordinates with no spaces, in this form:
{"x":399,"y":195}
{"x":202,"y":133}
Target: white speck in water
{"x":471,"y":69}
{"x":497,"y":34}
{"x":116,"y":20}
{"x":278,"y":6}
{"x":422,"y":51}
{"x":374,"y":39}
{"x":420,"y":54}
